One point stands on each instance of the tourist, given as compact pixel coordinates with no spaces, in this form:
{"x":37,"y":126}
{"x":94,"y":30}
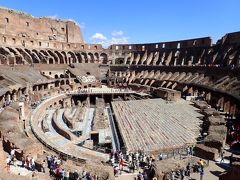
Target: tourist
{"x":23,"y":162}
{"x":121,"y":164}
{"x":140,"y":176}
{"x":160,"y":156}
{"x":14,"y":161}
{"x":75,"y":175}
{"x":12,"y":153}
{"x":57,"y":172}
{"x":32,"y":161}
{"x":191,"y":150}
{"x":201,"y":164}
{"x":188,"y":151}
{"x":222,"y":156}
{"x":172,"y":175}
{"x":67,"y":175}
{"x":8,"y":162}
{"x":116,"y":171}
{"x":188,"y":170}
{"x":27,"y":162}
{"x":84,"y":173}
{"x":231,"y":159}
{"x":201,"y":174}
{"x":49,"y":161}
{"x":182,"y":174}
{"x":62,"y":174}
{"x":43,"y":166}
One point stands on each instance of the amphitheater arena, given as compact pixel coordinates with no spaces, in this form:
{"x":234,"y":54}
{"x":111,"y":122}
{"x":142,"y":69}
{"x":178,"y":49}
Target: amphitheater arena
{"x":81,"y":101}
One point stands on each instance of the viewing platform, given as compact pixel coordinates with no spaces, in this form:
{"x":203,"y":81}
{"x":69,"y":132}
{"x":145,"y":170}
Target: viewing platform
{"x":99,"y":91}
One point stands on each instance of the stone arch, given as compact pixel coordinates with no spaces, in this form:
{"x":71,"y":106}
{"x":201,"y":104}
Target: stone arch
{"x":62,"y":82}
{"x":8,"y":97}
{"x":14,"y":95}
{"x":25,"y":55}
{"x":119,"y":60}
{"x":57,"y":83}
{"x":35,"y":56}
{"x":79,"y":57}
{"x":43,"y":55}
{"x":3,"y":60}
{"x":91,"y":57}
{"x":96,"y":57}
{"x":56,"y":59}
{"x":73,"y":57}
{"x":50,"y":61}
{"x":60,"y":56}
{"x":65,"y":57}
{"x":103,"y":58}
{"x":85,"y":59}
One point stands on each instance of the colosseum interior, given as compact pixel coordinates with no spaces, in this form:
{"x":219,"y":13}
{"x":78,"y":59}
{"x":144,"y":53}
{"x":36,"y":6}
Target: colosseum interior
{"x":150,"y":107}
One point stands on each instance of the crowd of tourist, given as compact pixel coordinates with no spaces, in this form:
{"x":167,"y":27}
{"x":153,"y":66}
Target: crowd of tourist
{"x":132,"y":162}
{"x":53,"y":163}
{"x":186,"y":172}
{"x":27,"y":162}
{"x":55,"y":170}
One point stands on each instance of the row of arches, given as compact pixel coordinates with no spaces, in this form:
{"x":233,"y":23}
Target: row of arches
{"x":9,"y":55}
{"x":227,"y":56}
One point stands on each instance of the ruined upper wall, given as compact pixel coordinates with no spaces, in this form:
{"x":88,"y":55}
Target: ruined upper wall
{"x":198,"y":42}
{"x":21,"y":25}
{"x":231,"y":39}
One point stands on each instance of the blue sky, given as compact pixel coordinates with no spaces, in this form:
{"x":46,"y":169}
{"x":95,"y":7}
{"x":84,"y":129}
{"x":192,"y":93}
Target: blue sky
{"x":139,"y":21}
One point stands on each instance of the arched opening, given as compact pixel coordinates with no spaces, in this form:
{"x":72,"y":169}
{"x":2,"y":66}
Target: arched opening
{"x":79,"y":57}
{"x":119,"y":60}
{"x":103,"y":58}
{"x":60,"y":102}
{"x":50,"y":61}
{"x":91,"y":57}
{"x":85,"y":59}
{"x":57,"y":83}
{"x":62,"y":82}
{"x":56,"y":76}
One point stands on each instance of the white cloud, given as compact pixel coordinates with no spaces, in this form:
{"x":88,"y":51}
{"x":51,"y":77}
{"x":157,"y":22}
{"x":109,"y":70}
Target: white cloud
{"x":117,"y":33}
{"x":116,"y":38}
{"x":120,"y":40}
{"x":98,"y":36}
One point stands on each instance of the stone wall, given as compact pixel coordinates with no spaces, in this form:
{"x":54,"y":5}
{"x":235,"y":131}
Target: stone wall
{"x":23,"y":25}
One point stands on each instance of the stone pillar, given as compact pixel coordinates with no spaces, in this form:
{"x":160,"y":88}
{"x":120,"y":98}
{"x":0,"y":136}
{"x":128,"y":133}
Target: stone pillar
{"x":221,"y":103}
{"x":21,"y":111}
{"x":190,"y":91}
{"x":233,"y":109}
{"x":208,"y":97}
{"x":195,"y":92}
{"x":14,"y":97}
{"x":8,"y":97}
{"x":226,"y":107}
